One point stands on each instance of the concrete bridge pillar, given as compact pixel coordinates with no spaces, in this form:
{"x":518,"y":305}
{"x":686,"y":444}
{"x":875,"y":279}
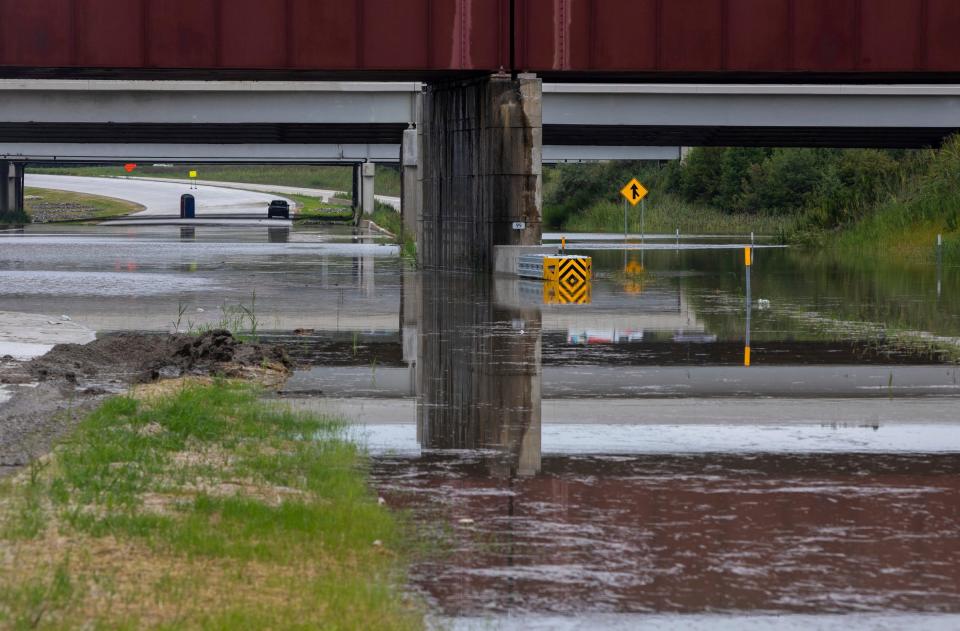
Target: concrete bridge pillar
{"x":368,"y":172}
{"x":410,"y":180}
{"x":481,"y":151}
{"x":364,"y":175}
{"x":11,"y":189}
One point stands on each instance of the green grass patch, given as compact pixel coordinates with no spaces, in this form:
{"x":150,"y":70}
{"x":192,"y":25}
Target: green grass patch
{"x":49,"y":205}
{"x":202,"y":507}
{"x":309,"y":208}
{"x":389,"y":219}
{"x":666,"y":213}
{"x":387,"y":179}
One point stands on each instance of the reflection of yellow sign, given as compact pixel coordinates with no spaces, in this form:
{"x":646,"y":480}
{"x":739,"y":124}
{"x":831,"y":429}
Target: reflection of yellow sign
{"x":634,"y":191}
{"x":555,"y":293}
{"x":193,"y":174}
{"x":634,"y":268}
{"x":633,"y":287}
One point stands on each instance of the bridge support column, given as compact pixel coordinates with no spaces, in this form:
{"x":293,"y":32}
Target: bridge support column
{"x":11,"y":189}
{"x":368,"y":172}
{"x":481,"y":170}
{"x":410,"y":181}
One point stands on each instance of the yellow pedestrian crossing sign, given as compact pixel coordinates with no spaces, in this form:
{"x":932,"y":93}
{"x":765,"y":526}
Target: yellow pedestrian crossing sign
{"x":634,"y":191}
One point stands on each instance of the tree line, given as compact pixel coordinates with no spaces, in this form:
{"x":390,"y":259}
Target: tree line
{"x":827,"y":187}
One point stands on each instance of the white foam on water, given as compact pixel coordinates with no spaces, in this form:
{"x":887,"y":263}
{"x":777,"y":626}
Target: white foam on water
{"x":704,"y":438}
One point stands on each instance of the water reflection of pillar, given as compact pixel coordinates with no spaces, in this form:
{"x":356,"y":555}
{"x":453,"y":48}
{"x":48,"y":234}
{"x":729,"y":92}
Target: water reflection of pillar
{"x":939,"y":266}
{"x":478,"y":374}
{"x":748,"y":300}
{"x":409,"y":297}
{"x":367,"y":275}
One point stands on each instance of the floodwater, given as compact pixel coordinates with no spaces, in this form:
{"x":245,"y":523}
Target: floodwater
{"x":610,"y":464}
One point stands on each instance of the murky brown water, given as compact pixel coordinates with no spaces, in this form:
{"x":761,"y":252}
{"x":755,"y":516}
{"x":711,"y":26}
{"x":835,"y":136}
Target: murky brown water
{"x":703,"y":533}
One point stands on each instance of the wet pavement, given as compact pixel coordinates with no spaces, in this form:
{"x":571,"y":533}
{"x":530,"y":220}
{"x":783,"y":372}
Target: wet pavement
{"x":612,"y":464}
{"x":161,"y":198}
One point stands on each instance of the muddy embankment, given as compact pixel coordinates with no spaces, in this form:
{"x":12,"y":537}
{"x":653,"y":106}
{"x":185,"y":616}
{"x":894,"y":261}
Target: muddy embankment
{"x":50,"y":394}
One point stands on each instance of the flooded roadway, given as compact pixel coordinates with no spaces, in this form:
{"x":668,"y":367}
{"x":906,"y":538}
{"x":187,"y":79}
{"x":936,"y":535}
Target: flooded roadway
{"x":602,"y":465}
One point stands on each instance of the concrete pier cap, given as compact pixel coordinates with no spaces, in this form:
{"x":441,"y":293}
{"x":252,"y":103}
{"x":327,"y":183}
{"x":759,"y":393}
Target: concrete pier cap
{"x":481,"y":170}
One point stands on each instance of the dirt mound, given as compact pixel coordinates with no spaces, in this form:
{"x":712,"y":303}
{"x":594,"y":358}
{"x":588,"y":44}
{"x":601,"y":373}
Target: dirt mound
{"x":74,"y":378}
{"x":142,"y":358}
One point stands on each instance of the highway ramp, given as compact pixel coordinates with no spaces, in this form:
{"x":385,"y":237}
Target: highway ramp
{"x":162,"y":199}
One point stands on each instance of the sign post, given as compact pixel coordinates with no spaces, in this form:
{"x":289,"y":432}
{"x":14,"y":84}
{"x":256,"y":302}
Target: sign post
{"x":193,"y":180}
{"x":748,"y":262}
{"x":643,"y":220}
{"x":634,"y":192}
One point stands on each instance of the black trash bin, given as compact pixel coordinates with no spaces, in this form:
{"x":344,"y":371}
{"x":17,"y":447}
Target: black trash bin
{"x":278,"y":209}
{"x":188,"y":207}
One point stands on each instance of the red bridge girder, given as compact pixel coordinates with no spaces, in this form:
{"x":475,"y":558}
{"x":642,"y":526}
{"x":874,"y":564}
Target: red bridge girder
{"x":588,"y":39}
{"x":739,"y":36}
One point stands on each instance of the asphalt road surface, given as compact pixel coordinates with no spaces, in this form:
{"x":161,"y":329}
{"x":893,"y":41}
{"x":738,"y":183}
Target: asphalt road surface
{"x":322,"y":193}
{"x":161,"y":199}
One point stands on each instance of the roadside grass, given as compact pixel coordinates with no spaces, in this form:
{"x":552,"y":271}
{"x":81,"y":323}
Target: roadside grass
{"x":313,"y":208}
{"x":66,"y":206}
{"x":389,"y":219}
{"x":895,"y":234}
{"x":201,"y":507}
{"x":666,"y":214}
{"x":338,"y":178}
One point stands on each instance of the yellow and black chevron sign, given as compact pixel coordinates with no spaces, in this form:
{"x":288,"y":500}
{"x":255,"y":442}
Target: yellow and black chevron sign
{"x":572,"y":271}
{"x":555,"y":293}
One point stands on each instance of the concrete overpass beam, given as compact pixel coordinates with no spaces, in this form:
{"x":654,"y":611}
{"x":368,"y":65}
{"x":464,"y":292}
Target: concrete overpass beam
{"x":481,"y":168}
{"x":11,"y":189}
